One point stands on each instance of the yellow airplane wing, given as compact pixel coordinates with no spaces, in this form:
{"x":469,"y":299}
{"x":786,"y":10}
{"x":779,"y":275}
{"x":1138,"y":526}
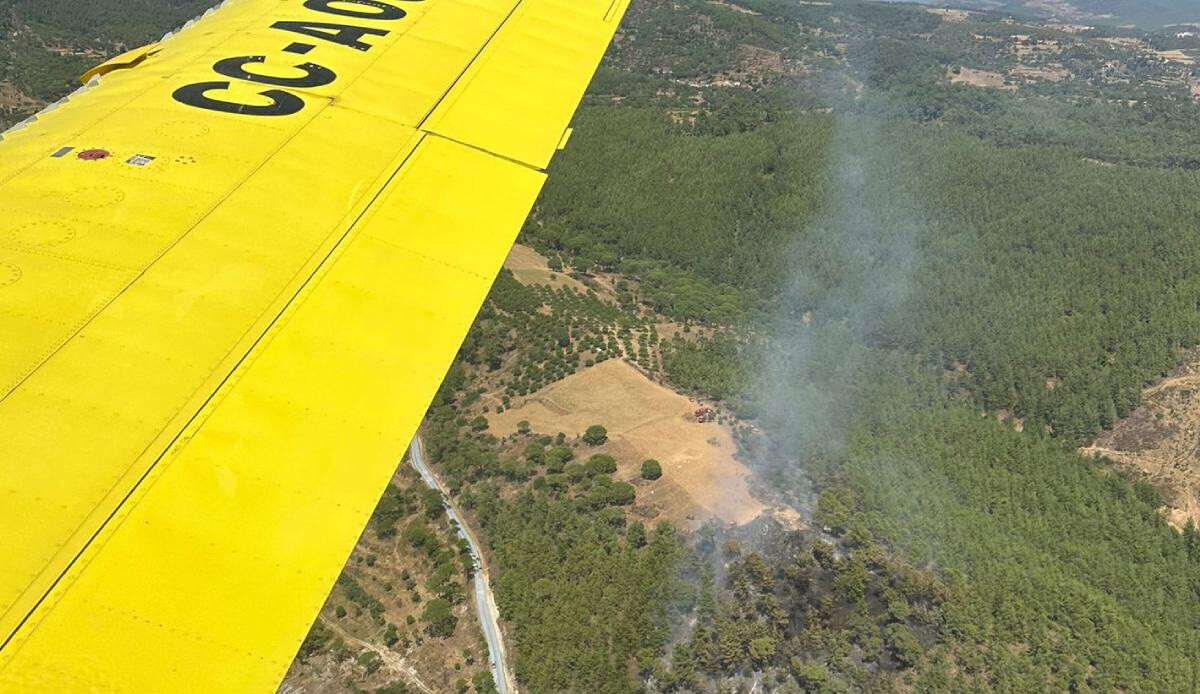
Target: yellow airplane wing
{"x":233,"y":272}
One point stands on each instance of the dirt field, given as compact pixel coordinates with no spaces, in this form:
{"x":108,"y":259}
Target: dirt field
{"x":701,"y":478}
{"x":1125,"y":42}
{"x":978,"y":78}
{"x":1049,"y":73}
{"x":530,"y":267}
{"x":1162,"y":439}
{"x":950,"y":15}
{"x":734,"y":7}
{"x":1177,"y":57}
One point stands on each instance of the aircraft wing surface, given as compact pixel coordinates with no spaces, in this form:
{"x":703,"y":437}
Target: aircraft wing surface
{"x":233,"y":272}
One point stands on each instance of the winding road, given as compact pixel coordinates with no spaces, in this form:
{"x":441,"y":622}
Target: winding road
{"x":485,"y":601}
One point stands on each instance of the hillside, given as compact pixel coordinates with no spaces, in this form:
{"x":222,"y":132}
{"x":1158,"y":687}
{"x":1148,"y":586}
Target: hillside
{"x":913,"y":259}
{"x":928,"y":282}
{"x":1150,"y":14}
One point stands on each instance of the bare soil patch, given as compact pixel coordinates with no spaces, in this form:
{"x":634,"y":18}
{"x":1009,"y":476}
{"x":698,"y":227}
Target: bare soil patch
{"x":1125,"y":42}
{"x":701,"y":477}
{"x":734,"y":7}
{"x":985,"y":79}
{"x":949,"y":15}
{"x":1177,"y":56}
{"x":530,"y":267}
{"x":1161,"y":439}
{"x":1049,"y":73}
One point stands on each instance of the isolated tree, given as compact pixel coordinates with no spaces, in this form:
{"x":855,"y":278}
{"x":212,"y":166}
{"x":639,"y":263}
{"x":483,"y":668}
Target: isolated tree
{"x":601,"y":464}
{"x":595,"y":435}
{"x":621,"y":494}
{"x":651,"y":470}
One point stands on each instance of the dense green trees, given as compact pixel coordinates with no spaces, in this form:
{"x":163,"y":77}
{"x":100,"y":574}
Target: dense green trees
{"x":651,"y":470}
{"x":621,"y":494}
{"x":439,"y":617}
{"x":582,"y":598}
{"x":434,"y":505}
{"x":1019,"y":247}
{"x":595,"y":435}
{"x":723,"y":223}
{"x":882,"y":266}
{"x":925,"y":253}
{"x":601,"y":464}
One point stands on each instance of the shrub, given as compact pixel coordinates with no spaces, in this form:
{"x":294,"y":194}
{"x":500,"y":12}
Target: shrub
{"x":595,"y":435}
{"x":601,"y":464}
{"x":621,"y":494}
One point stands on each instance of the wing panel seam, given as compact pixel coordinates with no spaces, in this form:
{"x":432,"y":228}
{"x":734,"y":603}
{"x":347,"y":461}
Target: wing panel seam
{"x":205,"y":409}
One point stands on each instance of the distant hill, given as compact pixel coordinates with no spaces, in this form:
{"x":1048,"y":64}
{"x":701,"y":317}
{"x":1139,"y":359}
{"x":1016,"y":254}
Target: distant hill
{"x":1143,"y":13}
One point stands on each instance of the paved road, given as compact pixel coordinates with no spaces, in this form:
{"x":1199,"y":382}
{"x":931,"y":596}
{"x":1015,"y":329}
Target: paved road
{"x":485,"y":602}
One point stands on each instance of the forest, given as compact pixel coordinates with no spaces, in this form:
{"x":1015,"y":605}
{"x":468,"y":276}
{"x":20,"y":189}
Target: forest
{"x":923,"y":295}
{"x":943,"y":290}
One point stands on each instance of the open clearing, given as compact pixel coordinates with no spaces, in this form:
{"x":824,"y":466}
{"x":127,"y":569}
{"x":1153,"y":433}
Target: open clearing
{"x":949,"y":15}
{"x":1049,"y":73}
{"x":1177,"y":56}
{"x":701,"y":478}
{"x":530,"y":267}
{"x":985,"y":79}
{"x":1162,"y":440}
